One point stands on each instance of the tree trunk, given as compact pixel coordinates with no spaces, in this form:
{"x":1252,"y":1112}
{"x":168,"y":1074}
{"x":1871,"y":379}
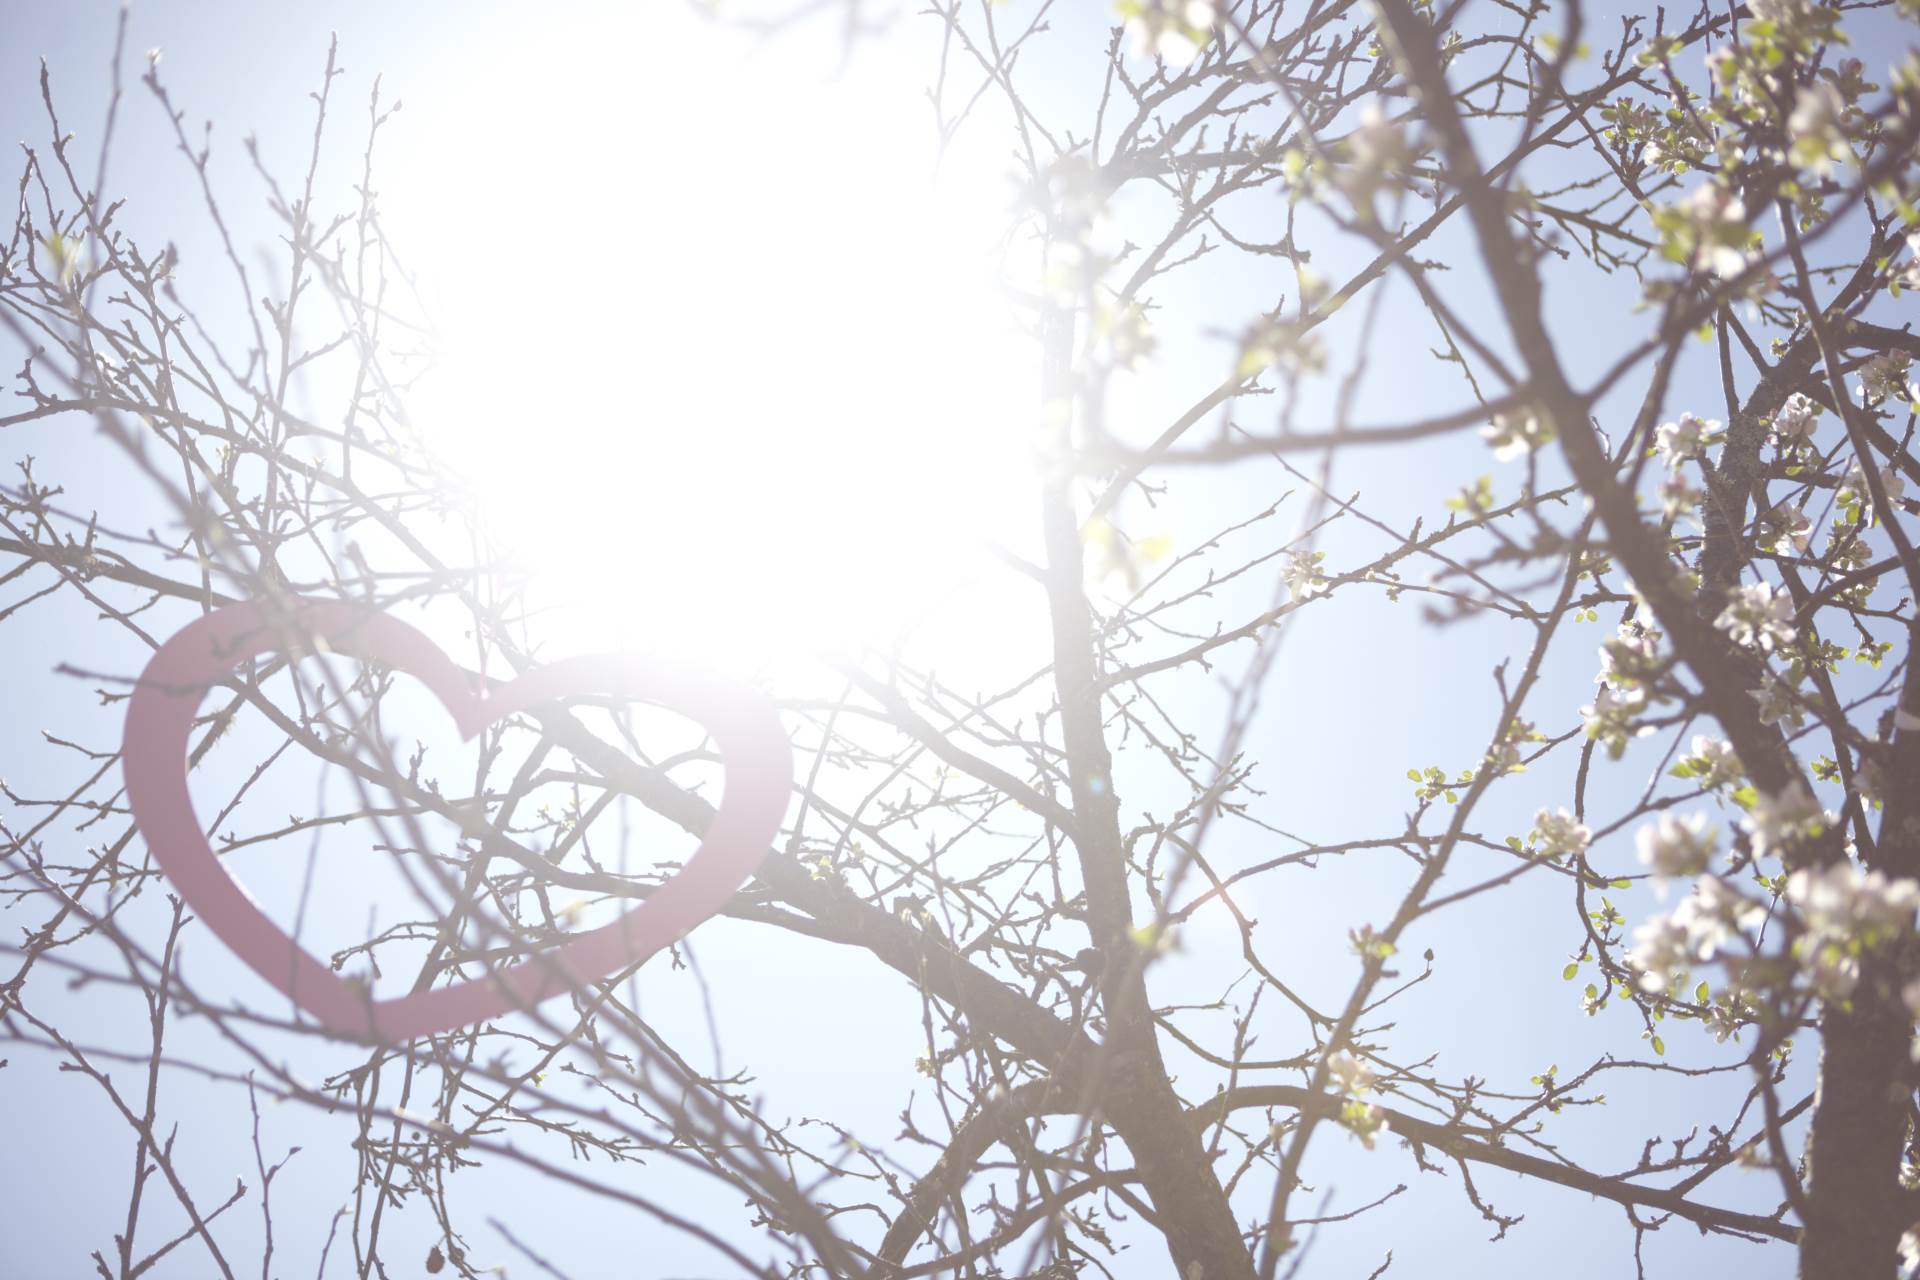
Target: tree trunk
{"x":1856,"y":1210}
{"x":1135,"y":1095}
{"x":1854,"y":1202}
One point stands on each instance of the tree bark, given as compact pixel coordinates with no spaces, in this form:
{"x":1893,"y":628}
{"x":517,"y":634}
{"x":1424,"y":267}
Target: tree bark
{"x":1129,"y":1078}
{"x":1856,"y":1209}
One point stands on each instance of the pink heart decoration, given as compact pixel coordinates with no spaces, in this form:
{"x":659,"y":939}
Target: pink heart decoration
{"x":744,"y":725}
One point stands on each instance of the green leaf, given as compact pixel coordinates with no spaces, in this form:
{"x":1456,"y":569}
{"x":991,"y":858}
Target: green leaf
{"x":1566,"y":974}
{"x":1701,"y":992}
{"x":1659,"y":1046}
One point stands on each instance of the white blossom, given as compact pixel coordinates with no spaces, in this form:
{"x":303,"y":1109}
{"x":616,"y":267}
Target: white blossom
{"x":1609,"y":719}
{"x":1854,"y":487}
{"x":1714,"y":761}
{"x":1793,"y":425}
{"x":1688,"y":438}
{"x":1884,"y":377}
{"x":1723,"y":65}
{"x":1776,"y":821}
{"x":1352,"y":1075}
{"x":1380,"y":153}
{"x":1813,"y":128}
{"x":1630,"y":657}
{"x":1792,"y":523}
{"x":1661,"y":952}
{"x":1832,"y":971}
{"x":1504,"y":757}
{"x":1777,"y":702}
{"x":1674,"y":846}
{"x":1175,"y":30}
{"x":1677,"y":497}
{"x":1364,"y":1120}
{"x":1843,"y":910}
{"x":1758,"y":616}
{"x":1846,"y":550}
{"x":1910,"y":277}
{"x":1716,"y":913}
{"x":1301,"y":570}
{"x":1869,"y":780}
{"x":1724,"y":1020}
{"x":1780,"y":12}
{"x":1665,"y":947}
{"x":1717,"y":220}
{"x":1560,"y":833}
{"x":1516,"y":432}
{"x":1816,"y":108}
{"x":1841,"y":903}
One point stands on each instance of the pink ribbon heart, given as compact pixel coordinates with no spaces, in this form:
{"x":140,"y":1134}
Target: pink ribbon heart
{"x":744,"y":726}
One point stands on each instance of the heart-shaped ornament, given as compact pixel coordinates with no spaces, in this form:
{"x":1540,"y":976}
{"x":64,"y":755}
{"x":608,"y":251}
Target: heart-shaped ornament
{"x":744,"y":726}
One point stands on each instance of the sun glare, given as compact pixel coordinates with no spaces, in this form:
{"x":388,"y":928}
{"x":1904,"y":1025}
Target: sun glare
{"x":723,"y":351}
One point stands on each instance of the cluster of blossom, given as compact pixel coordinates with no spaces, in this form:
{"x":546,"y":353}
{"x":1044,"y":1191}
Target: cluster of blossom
{"x":1778,"y":703}
{"x":1909,"y":276}
{"x":1672,"y":140}
{"x":1869,"y":780}
{"x":1631,"y":657}
{"x":1793,"y":425}
{"x":1687,"y":439}
{"x":1711,"y":761}
{"x":1723,"y":67}
{"x":1778,"y":821}
{"x":1815,"y":129}
{"x":1281,"y":342}
{"x":1679,"y":146}
{"x":1884,"y":377}
{"x":1758,"y":616}
{"x":1558,"y":833}
{"x":1379,"y":154}
{"x":1843,"y":911}
{"x":1675,"y":846}
{"x":1356,"y":1079}
{"x":1504,"y":756}
{"x":1611,"y":719}
{"x":1788,"y":523}
{"x":1350,"y":1074}
{"x":1708,"y":231}
{"x":1837,"y":911}
{"x":1301,"y":570}
{"x":1516,"y":432}
{"x":1856,"y":495}
{"x":1666,"y":947}
{"x":1747,"y":82}
{"x":1678,"y":496}
{"x":1782,"y":13}
{"x":1173,"y":30}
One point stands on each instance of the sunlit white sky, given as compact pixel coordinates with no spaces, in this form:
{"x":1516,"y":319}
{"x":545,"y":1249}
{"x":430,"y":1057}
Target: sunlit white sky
{"x":725,"y":359}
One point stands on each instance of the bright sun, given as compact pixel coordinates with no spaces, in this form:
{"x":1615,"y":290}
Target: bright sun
{"x":723,"y":349}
